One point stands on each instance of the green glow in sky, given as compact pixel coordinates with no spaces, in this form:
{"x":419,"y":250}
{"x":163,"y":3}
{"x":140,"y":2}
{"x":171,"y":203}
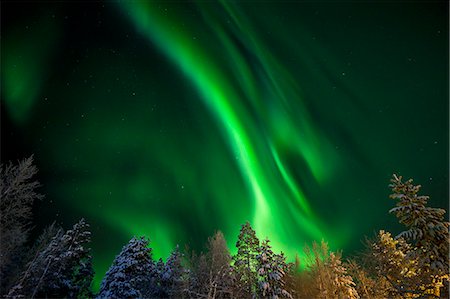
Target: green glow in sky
{"x":24,"y":58}
{"x":173,"y":120}
{"x":270,"y":187}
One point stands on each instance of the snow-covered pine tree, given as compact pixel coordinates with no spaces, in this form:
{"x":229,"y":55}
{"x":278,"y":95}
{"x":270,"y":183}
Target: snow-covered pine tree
{"x":34,"y":252}
{"x":396,"y":272}
{"x":343,"y":283}
{"x":172,"y":277}
{"x":271,"y":273}
{"x":427,"y":231}
{"x":130,"y":273}
{"x":36,"y":270}
{"x":63,"y":269}
{"x":75,"y":274}
{"x":245,"y":263}
{"x":154,"y":288}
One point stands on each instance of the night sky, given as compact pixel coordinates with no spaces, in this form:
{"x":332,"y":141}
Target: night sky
{"x":173,"y":119}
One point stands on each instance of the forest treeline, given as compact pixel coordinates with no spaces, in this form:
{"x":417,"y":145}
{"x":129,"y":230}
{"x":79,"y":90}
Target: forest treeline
{"x":412,"y":264}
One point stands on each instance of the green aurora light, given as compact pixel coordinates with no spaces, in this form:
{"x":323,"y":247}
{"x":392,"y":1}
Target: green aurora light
{"x":172,"y":120}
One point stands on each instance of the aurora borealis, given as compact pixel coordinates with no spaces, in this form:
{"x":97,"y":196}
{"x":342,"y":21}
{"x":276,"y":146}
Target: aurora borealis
{"x":173,"y":119}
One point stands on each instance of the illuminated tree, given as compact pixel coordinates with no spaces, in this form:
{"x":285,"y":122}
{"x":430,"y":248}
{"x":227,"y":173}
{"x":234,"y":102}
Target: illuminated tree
{"x":427,"y":231}
{"x":328,"y":276}
{"x":393,"y":268}
{"x":367,"y":284}
{"x":245,"y":262}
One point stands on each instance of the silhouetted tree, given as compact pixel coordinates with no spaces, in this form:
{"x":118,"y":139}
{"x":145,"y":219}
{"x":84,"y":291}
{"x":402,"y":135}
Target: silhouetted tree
{"x":62,"y":269}
{"x":198,"y":275}
{"x":17,"y":194}
{"x":171,"y":277}
{"x":212,"y":274}
{"x":220,"y":280}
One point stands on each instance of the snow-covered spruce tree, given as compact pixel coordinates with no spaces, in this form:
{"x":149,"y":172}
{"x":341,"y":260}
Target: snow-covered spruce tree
{"x":329,"y":277}
{"x":130,"y":273}
{"x":172,"y":276}
{"x":271,"y":273}
{"x":34,"y":252}
{"x":38,"y":267}
{"x":75,"y":274}
{"x":17,"y":194}
{"x":154,"y":288}
{"x":388,"y":262}
{"x":427,"y":231}
{"x":63,"y":269}
{"x":245,"y":263}
{"x":343,"y":283}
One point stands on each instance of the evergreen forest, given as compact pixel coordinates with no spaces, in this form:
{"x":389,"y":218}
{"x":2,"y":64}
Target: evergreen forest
{"x":58,"y":264}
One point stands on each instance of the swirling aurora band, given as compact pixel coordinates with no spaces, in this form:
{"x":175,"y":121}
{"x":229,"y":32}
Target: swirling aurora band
{"x":256,"y":154}
{"x":198,"y":116}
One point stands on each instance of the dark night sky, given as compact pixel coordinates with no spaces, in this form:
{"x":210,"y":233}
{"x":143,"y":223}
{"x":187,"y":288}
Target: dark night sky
{"x":174,"y":119}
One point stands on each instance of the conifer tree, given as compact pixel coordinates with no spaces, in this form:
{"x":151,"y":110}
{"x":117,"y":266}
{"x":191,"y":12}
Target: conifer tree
{"x":75,"y":274}
{"x":245,"y":262}
{"x":172,"y":276}
{"x":154,"y":288}
{"x":271,"y":273}
{"x":62,"y":269}
{"x":394,"y":269}
{"x":37,"y":268}
{"x":427,"y":229}
{"x":343,"y":283}
{"x":34,"y":252}
{"x":130,"y":272}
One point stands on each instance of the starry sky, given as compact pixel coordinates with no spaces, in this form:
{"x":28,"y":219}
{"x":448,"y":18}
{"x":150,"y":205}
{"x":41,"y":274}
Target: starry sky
{"x":176,"y":119}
